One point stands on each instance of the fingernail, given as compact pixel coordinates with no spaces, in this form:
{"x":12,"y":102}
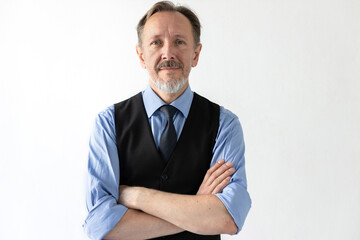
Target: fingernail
{"x":221,"y":161}
{"x":229,"y":164}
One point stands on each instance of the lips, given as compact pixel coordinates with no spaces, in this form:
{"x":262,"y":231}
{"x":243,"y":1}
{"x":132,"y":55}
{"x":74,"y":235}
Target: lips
{"x":169,"y":68}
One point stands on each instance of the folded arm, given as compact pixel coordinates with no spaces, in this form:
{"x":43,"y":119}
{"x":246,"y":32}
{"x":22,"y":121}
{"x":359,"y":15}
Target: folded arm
{"x":160,"y":213}
{"x":201,"y":214}
{"x":207,"y":214}
{"x":107,"y":217}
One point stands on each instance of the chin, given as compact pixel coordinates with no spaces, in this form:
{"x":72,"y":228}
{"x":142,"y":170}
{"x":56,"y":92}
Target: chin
{"x":170,"y":86}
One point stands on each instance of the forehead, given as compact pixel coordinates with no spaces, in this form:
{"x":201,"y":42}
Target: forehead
{"x":163,"y":23}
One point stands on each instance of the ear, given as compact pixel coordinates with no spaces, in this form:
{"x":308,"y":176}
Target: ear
{"x":196,"y":55}
{"x":140,"y":54}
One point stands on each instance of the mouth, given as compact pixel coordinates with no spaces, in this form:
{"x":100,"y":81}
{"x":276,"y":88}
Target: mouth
{"x":169,"y":68}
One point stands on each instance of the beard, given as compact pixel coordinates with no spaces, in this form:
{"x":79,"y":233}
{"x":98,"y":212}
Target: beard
{"x":172,"y":86}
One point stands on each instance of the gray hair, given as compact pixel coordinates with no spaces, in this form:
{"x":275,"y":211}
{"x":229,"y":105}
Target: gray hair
{"x":167,"y":6}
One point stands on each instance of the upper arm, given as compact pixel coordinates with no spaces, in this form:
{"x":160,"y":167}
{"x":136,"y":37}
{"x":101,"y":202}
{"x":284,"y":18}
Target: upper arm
{"x":103,"y":178}
{"x":231,"y":147}
{"x":103,"y":164}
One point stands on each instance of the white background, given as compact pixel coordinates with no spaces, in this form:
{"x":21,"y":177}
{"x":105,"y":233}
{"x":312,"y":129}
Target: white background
{"x":289,"y":69}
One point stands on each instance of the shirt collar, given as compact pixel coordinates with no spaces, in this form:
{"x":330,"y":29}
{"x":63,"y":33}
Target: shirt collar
{"x":152,"y":101}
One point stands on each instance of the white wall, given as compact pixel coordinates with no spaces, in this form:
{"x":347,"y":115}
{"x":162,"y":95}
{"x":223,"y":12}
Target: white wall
{"x":288,"y":69}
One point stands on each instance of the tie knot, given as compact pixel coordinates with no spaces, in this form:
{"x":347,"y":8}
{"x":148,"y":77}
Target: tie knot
{"x":168,"y":110}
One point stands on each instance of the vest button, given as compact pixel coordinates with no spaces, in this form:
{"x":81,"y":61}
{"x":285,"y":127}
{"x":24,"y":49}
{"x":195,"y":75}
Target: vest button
{"x":164,"y":177}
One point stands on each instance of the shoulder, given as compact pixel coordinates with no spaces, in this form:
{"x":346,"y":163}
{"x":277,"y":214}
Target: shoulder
{"x":204,"y":105}
{"x":104,"y":120}
{"x":227,"y":116}
{"x":229,"y":122}
{"x":203,"y":100}
{"x":106,"y":115}
{"x":136,"y":99}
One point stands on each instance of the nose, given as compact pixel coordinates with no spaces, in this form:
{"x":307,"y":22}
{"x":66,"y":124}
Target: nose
{"x":168,"y":52}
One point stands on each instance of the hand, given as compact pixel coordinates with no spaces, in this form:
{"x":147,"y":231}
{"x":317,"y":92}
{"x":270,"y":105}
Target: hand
{"x":127,"y":196}
{"x":216,"y":178}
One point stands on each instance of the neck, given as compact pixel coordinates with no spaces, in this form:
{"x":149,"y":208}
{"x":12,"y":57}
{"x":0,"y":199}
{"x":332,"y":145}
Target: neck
{"x":168,"y":97}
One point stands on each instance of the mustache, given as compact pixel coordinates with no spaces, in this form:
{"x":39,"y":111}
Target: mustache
{"x":169,"y":63}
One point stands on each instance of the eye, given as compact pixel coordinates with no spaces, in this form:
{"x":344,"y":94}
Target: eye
{"x":180,"y":42}
{"x":155,"y":43}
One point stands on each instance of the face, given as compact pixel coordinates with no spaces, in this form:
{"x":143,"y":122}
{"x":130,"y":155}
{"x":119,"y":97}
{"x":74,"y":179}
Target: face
{"x":168,"y":51}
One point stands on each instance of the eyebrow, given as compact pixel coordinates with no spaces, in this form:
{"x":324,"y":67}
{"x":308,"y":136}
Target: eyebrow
{"x":176,"y":36}
{"x":180,"y":36}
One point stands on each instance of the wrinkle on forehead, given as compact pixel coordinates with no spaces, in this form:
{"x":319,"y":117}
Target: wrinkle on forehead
{"x":172,"y":24}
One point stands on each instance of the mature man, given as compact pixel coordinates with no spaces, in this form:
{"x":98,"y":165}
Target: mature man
{"x":167,"y":162}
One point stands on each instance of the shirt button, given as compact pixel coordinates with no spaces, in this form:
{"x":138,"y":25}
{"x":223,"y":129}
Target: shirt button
{"x":164,"y":177}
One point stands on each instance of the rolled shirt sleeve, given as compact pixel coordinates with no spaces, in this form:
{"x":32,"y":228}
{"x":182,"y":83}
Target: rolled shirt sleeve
{"x":102,"y":191}
{"x":230,"y":147}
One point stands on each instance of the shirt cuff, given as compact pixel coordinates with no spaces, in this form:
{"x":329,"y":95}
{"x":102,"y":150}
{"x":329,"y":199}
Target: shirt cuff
{"x":103,"y":218}
{"x":237,"y":202}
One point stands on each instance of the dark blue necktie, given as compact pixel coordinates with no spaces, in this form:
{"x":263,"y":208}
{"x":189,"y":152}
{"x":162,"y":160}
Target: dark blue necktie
{"x":168,"y":137}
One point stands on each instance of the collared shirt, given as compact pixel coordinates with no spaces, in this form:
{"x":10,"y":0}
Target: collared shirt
{"x":157,"y":119}
{"x":103,"y":164}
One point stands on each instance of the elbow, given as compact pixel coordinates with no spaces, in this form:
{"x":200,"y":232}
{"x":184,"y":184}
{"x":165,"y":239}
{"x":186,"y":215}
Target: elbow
{"x":232,"y":230}
{"x":223,"y":225}
{"x":230,"y":227}
{"x":226,"y":225}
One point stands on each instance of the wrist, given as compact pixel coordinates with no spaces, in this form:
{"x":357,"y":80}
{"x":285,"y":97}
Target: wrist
{"x":129,"y":196}
{"x":137,"y":197}
{"x":142,"y":197}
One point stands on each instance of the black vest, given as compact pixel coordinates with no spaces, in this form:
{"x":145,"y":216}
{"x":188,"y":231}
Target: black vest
{"x":141,"y":163}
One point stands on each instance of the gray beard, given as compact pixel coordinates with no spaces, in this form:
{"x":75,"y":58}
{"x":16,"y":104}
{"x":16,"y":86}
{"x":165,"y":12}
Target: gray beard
{"x":173,"y":86}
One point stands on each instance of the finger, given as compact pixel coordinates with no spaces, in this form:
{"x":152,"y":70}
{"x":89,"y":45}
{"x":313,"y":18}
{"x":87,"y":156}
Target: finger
{"x":211,"y":170}
{"x":219,"y":171}
{"x":221,"y":177}
{"x":217,"y":181}
{"x":221,"y":186}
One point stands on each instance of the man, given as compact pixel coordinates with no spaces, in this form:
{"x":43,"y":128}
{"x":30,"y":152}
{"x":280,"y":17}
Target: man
{"x":166,"y":162}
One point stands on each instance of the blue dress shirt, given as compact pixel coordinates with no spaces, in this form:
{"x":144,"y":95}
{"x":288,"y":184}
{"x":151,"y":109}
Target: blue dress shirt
{"x":104,"y":172}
